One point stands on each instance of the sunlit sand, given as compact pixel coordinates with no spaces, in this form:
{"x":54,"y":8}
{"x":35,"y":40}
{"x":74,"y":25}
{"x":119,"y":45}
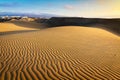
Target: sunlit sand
{"x":67,"y":52}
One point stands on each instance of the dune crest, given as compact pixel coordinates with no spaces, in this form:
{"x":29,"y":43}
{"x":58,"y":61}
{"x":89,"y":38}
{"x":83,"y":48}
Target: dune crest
{"x":10,"y":27}
{"x":14,"y":27}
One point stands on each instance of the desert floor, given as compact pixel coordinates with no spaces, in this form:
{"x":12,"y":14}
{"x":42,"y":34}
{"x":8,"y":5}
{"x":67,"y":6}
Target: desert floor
{"x":69,"y":52}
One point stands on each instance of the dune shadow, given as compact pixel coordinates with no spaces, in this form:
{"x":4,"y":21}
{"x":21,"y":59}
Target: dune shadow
{"x":29,"y":24}
{"x":16,"y":32}
{"x":111,"y":25}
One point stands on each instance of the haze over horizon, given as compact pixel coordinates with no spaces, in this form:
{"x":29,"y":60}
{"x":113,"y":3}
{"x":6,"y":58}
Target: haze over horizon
{"x":74,"y":8}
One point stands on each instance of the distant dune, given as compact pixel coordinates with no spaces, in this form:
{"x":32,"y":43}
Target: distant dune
{"x":12,"y":27}
{"x":66,"y":52}
{"x":112,"y":25}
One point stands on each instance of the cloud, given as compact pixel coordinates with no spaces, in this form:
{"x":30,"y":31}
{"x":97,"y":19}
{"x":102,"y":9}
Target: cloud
{"x":8,"y":4}
{"x":69,"y":7}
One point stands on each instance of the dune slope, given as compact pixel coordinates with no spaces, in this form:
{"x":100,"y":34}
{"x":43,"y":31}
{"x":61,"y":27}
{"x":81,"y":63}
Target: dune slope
{"x":13,"y":27}
{"x":60,"y":53}
{"x":4,"y":27}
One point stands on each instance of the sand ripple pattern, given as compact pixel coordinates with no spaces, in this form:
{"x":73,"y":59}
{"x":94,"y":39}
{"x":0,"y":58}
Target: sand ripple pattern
{"x":65,"y":53}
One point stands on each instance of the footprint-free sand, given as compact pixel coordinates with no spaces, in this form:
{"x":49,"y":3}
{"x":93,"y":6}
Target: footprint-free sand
{"x":67,"y":52}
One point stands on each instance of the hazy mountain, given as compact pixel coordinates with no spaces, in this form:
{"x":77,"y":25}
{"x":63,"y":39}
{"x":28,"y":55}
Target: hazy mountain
{"x":42,"y":15}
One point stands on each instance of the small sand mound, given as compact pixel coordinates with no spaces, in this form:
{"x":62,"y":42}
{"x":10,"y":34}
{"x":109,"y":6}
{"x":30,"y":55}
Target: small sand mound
{"x":60,"y":53}
{"x":10,"y":26}
{"x":13,"y":27}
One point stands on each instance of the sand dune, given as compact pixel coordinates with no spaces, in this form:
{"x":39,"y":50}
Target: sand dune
{"x":13,"y":27}
{"x":60,"y":53}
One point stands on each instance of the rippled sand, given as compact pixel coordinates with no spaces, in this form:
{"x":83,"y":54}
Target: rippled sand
{"x":60,"y":53}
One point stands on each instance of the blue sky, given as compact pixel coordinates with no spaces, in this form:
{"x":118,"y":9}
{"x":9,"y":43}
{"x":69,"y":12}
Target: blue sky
{"x":34,"y":5}
{"x":81,"y":8}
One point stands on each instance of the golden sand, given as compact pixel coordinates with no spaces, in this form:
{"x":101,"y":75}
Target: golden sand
{"x":11,"y":27}
{"x":60,"y":53}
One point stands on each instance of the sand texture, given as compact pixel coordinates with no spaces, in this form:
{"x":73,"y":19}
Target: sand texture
{"x":68,"y":53}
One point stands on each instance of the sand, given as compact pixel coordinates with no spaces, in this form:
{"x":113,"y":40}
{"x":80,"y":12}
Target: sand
{"x":70,"y":53}
{"x":4,"y":27}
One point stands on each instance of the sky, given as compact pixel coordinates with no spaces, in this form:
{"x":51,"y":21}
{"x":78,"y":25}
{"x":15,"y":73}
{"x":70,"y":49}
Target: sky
{"x":74,"y":8}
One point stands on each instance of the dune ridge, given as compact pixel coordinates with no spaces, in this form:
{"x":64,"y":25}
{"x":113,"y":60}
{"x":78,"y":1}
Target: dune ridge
{"x":60,"y":53}
{"x":12,"y":27}
{"x":15,"y":27}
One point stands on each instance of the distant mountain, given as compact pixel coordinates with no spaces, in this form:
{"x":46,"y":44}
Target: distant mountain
{"x":41,"y":15}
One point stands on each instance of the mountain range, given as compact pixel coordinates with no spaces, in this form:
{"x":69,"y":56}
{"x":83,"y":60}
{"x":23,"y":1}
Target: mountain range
{"x":41,"y":15}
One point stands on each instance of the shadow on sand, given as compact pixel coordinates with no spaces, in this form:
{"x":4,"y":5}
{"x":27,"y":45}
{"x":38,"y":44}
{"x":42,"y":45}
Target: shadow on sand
{"x":111,"y":25}
{"x":16,"y":32}
{"x":32,"y":25}
{"x":26,"y":24}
